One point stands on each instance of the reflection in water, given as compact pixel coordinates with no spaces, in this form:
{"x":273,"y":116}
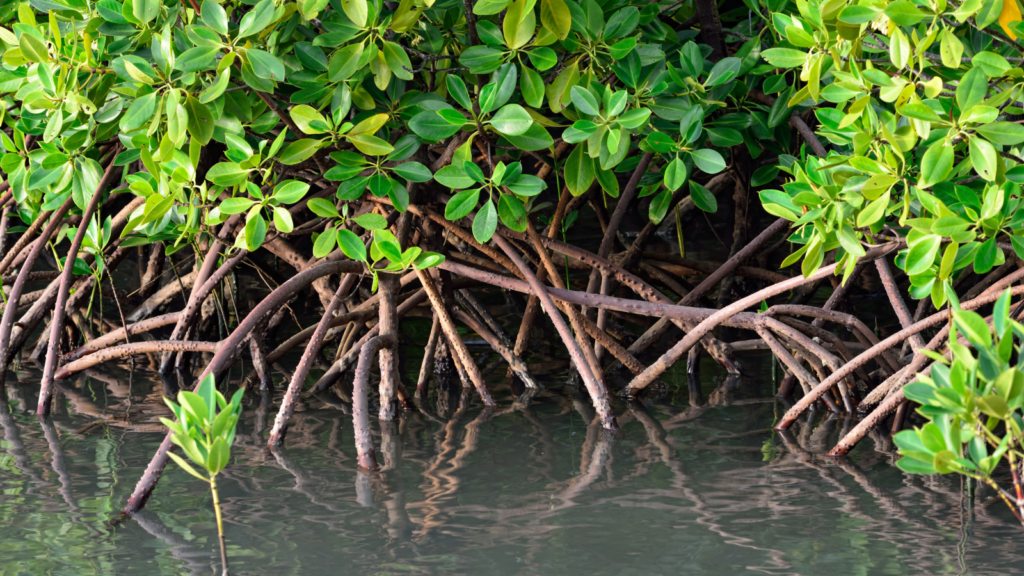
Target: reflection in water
{"x":687,"y":485}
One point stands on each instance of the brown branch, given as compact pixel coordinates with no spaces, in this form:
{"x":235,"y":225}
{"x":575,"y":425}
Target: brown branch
{"x":57,"y":323}
{"x":452,"y":334}
{"x":299,"y":376}
{"x":598,"y":393}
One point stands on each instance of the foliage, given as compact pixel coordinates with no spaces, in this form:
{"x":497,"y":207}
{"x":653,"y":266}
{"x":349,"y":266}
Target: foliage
{"x":167,"y":79}
{"x":973,"y":404}
{"x":204,"y":428}
{"x":913,"y":97}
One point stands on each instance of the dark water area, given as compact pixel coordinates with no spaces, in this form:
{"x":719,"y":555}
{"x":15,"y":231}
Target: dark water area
{"x":689,"y":485}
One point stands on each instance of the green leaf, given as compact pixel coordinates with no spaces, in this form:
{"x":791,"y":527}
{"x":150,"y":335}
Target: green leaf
{"x":848,"y":240}
{"x":371,"y":145}
{"x":512,"y":120}
{"x":397,"y":60}
{"x":490,"y":7}
{"x":919,"y":111}
{"x":703,"y":198}
{"x":971,"y":89}
{"x":985,"y":259}
{"x":257,"y":19}
{"x":499,"y":91}
{"x":283,"y":220}
{"x":235,"y":205}
{"x":139,"y":113}
{"x":432,"y":126}
{"x":536,"y":138}
{"x":915,"y":466}
{"x":764,"y":175}
{"x":227,"y":174}
{"x":194,"y":59}
{"x":922,"y":254}
{"x":351,"y":245}
{"x":85,"y":181}
{"x":255,"y":231}
{"x":784,"y":57}
{"x":454,"y":177}
{"x":556,"y":17}
{"x":461,"y":204}
{"x":145,"y":10}
{"x":585,"y":101}
{"x":991,"y":63}
{"x":723,"y":71}
{"x":542,"y":58}
{"x":1002,"y":133}
{"x":874,"y":211}
{"x":994,"y":406}
{"x":659,"y":206}
{"x":290,"y":191}
{"x":324,"y":243}
{"x":413,"y":172}
{"x":186,"y":466}
{"x":951,"y":50}
{"x":356,"y":10}
{"x":458,"y":91}
{"x":579,"y":171}
{"x":428,"y":260}
{"x":532,"y":86}
{"x":220,"y":453}
{"x":304,"y":116}
{"x":904,"y":13}
{"x":675,"y":174}
{"x":512,"y":212}
{"x":983,"y":157}
{"x":859,"y":14}
{"x":298,"y":151}
{"x":485,"y":222}
{"x":481,"y":59}
{"x":527,"y":185}
{"x":710,"y":161}
{"x":371,"y":221}
{"x":265,"y":65}
{"x":474,"y":172}
{"x":936,"y":164}
{"x":973,"y":327}
{"x":215,"y":17}
{"x":322,"y":208}
{"x":216,"y":89}
{"x":724,"y":137}
{"x":33,"y":49}
{"x":387,"y":244}
{"x":200,"y":120}
{"x":634,"y":118}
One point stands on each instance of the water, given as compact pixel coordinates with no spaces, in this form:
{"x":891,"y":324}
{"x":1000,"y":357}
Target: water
{"x":532,"y":488}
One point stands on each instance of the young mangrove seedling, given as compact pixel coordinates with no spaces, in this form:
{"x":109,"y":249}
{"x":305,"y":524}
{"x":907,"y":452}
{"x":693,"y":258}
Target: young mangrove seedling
{"x":205,"y":431}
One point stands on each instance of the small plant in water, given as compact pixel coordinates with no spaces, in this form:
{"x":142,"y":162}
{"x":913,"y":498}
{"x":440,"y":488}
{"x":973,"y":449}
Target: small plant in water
{"x":973,"y":405}
{"x":205,"y":431}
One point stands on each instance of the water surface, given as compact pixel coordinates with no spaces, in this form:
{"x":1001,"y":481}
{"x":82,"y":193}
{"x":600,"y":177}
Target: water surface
{"x":690,"y":485}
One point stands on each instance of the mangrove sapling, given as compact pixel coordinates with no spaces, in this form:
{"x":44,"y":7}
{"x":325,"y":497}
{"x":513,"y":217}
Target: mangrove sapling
{"x":205,"y":431}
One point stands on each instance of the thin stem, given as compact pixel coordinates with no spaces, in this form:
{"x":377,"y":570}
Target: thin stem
{"x":220,"y":525}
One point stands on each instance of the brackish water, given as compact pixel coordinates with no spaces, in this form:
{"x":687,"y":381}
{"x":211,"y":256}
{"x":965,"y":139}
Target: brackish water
{"x":688,"y":486}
